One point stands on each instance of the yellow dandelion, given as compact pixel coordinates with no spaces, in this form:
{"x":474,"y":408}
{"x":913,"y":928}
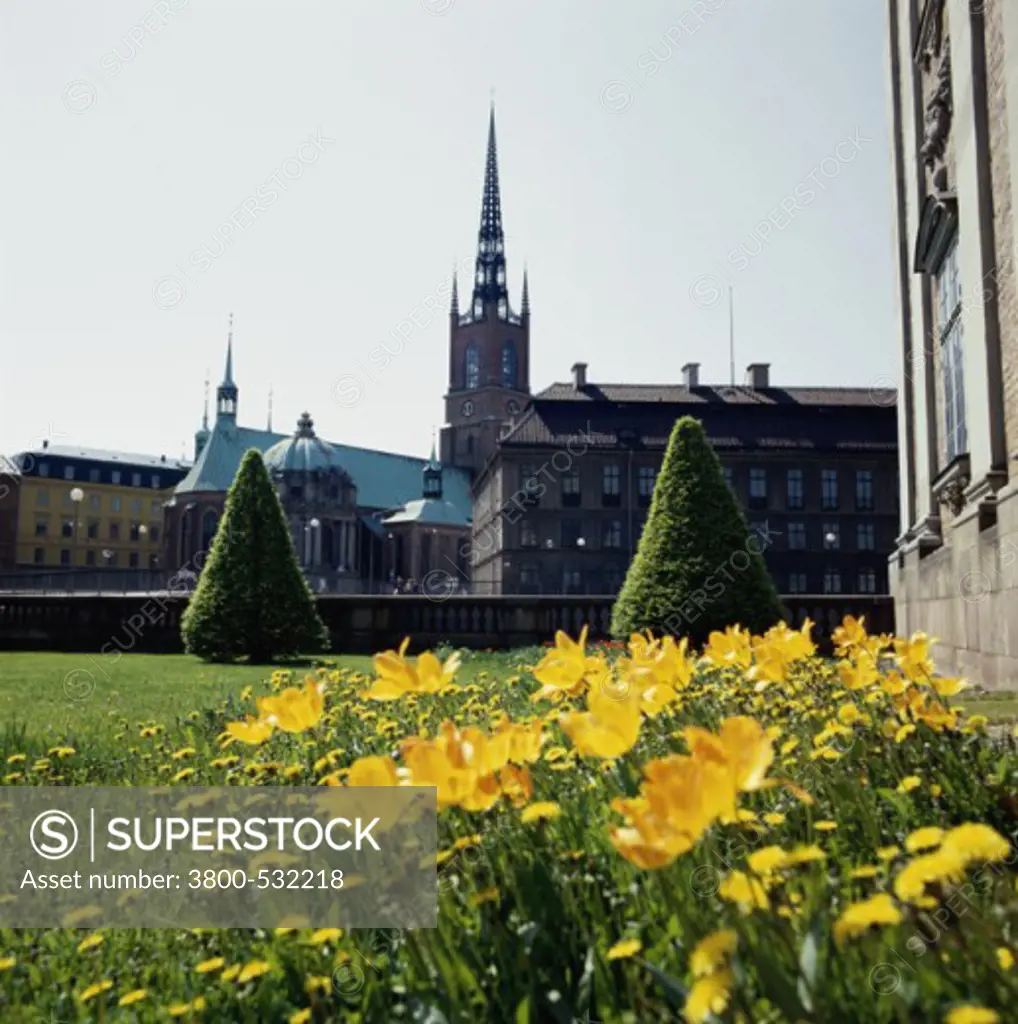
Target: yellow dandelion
{"x":712,"y":951}
{"x":859,"y":917}
{"x":95,"y":990}
{"x":323,"y":935}
{"x":207,"y":966}
{"x":485,"y":896}
{"x":133,"y":997}
{"x":924,"y":839}
{"x":253,"y":969}
{"x":825,"y":826}
{"x":184,"y":773}
{"x":91,"y":942}
{"x":543,"y":811}
{"x":709,"y":996}
{"x":1005,"y":958}
{"x":7,"y":962}
{"x":182,"y":1009}
{"x":230,"y":973}
{"x":300,"y":1017}
{"x":909,"y":783}
{"x":972,"y":1015}
{"x":625,"y":949}
{"x":888,"y":852}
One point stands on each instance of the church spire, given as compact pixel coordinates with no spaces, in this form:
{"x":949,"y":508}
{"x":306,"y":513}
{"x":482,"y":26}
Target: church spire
{"x":454,"y":302}
{"x":226,"y":393}
{"x":525,"y":300}
{"x":489,"y":276}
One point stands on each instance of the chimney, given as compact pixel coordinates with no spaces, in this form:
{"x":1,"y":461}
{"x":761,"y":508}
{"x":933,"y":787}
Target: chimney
{"x":45,"y":443}
{"x":691,"y":375}
{"x":579,"y":376}
{"x":758,"y":375}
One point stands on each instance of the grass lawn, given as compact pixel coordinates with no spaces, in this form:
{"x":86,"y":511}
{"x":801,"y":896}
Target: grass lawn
{"x":75,"y":696}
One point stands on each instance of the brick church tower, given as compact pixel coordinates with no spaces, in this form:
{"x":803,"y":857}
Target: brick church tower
{"x":489,"y":344}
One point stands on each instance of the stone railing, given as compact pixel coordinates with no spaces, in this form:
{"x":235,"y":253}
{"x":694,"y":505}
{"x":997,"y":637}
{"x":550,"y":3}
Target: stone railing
{"x":106,"y":624}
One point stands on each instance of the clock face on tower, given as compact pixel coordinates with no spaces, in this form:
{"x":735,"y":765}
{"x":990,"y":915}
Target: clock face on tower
{"x":467,"y":408}
{"x":512,"y":407}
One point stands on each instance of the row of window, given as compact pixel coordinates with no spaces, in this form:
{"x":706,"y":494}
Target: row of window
{"x":646,"y":476}
{"x":95,"y":502}
{"x":611,"y":534}
{"x":136,"y":531}
{"x":472,"y":366}
{"x":96,"y":475}
{"x":109,"y":559}
{"x":609,"y":580}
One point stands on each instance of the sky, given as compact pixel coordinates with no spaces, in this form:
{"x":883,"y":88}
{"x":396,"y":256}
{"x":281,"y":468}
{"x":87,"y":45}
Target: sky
{"x":315,"y":168}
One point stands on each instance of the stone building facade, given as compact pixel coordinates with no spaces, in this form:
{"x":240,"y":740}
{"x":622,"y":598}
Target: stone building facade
{"x":560,"y":505}
{"x":953,"y":97}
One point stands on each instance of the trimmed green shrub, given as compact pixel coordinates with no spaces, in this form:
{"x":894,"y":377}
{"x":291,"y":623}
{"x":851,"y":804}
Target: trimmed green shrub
{"x":252,"y":599}
{"x":698,"y":567}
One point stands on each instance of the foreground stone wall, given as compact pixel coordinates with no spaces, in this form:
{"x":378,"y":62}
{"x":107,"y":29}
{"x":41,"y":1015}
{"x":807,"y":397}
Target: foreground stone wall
{"x":966,"y":594}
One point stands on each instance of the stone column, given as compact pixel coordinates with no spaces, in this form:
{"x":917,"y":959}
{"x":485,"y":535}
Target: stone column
{"x":984,"y":414}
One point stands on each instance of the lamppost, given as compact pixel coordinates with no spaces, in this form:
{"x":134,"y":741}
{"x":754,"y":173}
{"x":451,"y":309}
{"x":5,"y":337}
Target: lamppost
{"x":77,"y":496}
{"x":581,"y":544}
{"x":310,"y":539}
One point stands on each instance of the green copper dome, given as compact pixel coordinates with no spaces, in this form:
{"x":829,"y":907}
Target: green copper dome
{"x":304,"y":452}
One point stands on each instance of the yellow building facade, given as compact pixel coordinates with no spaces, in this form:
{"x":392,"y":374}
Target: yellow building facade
{"x":89,"y":508}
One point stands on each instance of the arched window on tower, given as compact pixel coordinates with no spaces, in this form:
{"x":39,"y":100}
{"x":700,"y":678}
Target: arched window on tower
{"x":472,"y":368}
{"x":508,"y":365}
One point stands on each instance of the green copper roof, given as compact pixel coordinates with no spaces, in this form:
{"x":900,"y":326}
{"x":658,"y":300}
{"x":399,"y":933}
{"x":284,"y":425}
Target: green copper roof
{"x":384,"y":480}
{"x":432,"y":511}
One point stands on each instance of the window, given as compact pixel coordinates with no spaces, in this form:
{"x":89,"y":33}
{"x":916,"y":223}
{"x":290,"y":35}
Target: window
{"x":757,"y":487}
{"x":727,"y":473}
{"x":646,"y":477}
{"x":949,"y":324}
{"x":136,"y":505}
{"x":42,"y":527}
{"x":864,"y":539}
{"x":114,"y":531}
{"x":572,"y":533}
{"x":68,"y":502}
{"x":864,"y":490}
{"x":611,"y":533}
{"x":797,"y":583}
{"x":132,"y":560}
{"x":135,"y":531}
{"x":114,"y":504}
{"x":573,"y":581}
{"x":832,"y":581}
{"x":89,"y":558}
{"x":471,"y":367}
{"x":93,"y":529}
{"x":153,"y":532}
{"x":828,"y":489}
{"x":571,"y":488}
{"x":296,"y":491}
{"x":797,"y":536}
{"x":209,"y":525}
{"x":832,"y":536}
{"x":867,"y":581}
{"x":610,"y":491}
{"x":794,"y":497}
{"x":155,"y":480}
{"x":93,"y":476}
{"x":157,"y":506}
{"x":95,"y":501}
{"x":528,"y":535}
{"x":612,"y":580}
{"x":136,"y":479}
{"x":508,"y":365}
{"x":68,"y":472}
{"x":65,"y":557}
{"x":113,"y":560}
{"x":528,"y":575}
{"x":43,"y":469}
{"x":42,"y":496}
{"x":529,"y":484}
{"x":67,"y":528}
{"x":114,"y":476}
{"x":39,"y":556}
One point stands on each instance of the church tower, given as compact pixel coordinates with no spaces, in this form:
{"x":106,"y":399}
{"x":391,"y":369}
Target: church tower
{"x":489,"y":343}
{"x":226,"y":393}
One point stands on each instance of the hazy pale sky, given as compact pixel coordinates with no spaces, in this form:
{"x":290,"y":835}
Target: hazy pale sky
{"x":317,"y":169}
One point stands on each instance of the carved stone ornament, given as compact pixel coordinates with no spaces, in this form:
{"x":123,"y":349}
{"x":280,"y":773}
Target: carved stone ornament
{"x":938,"y":125}
{"x":949,"y":488}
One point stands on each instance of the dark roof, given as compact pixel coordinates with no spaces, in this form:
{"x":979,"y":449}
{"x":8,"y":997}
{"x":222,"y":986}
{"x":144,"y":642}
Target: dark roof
{"x":104,"y":455}
{"x":723,"y":394}
{"x":775,"y":426}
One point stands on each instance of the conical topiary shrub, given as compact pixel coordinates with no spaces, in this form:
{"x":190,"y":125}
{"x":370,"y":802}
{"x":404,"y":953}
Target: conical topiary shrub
{"x":252,"y":599}
{"x":698,"y":567}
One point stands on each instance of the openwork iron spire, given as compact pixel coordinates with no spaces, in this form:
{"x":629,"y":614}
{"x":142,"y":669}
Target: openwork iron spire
{"x":489,"y":274}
